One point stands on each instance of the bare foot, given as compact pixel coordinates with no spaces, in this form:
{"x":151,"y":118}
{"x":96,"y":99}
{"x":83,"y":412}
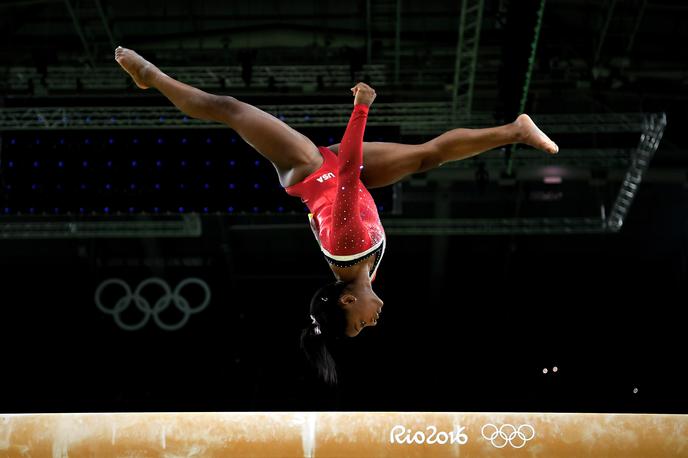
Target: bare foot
{"x":138,"y":67}
{"x":529,"y":134}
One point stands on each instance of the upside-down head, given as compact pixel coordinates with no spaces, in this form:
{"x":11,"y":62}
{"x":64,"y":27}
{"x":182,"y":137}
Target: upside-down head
{"x":338,"y":309}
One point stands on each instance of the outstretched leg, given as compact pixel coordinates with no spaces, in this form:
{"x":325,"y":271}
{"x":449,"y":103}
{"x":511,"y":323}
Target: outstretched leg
{"x":292,"y":153}
{"x":386,"y":163}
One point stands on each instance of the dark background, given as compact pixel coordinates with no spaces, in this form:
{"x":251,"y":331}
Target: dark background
{"x":472,"y":330}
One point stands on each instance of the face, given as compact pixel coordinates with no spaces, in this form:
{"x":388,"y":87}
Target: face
{"x":363,"y":308}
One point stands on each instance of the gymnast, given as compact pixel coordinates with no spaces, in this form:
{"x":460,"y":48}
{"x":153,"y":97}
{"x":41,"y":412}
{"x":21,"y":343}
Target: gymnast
{"x":333,"y":182}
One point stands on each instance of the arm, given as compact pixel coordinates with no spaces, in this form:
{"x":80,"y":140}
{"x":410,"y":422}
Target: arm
{"x":349,"y":234}
{"x":351,"y":148}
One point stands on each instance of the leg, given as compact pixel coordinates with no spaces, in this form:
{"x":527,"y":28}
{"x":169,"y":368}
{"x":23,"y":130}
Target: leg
{"x":292,"y":154}
{"x":387,"y":163}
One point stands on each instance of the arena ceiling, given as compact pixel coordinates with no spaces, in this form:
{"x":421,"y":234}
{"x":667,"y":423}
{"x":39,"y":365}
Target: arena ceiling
{"x":641,"y":31}
{"x":612,"y":56}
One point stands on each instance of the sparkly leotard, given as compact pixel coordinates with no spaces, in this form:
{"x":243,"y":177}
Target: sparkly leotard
{"x":343,"y":214}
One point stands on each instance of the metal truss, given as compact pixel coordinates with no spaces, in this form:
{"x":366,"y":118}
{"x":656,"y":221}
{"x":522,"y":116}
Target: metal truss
{"x":433,"y":117}
{"x":605,"y":29}
{"x":653,"y":129}
{"x":636,"y":160}
{"x":112,"y":78}
{"x":80,"y":31}
{"x":493,"y":226}
{"x":421,"y":118}
{"x":574,"y":123}
{"x":459,"y":226}
{"x":105,"y":21}
{"x":466,"y":57}
{"x":383,"y":21}
{"x":608,"y":158}
{"x":66,"y":227}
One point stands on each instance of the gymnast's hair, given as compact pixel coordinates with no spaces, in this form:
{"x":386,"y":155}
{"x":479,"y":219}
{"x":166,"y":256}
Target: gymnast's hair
{"x":328,"y":325}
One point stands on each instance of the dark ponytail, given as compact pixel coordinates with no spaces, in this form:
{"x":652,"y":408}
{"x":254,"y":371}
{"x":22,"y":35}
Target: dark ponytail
{"x":328,"y":324}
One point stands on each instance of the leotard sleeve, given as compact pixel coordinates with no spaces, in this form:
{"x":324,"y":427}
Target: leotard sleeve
{"x":349,"y":234}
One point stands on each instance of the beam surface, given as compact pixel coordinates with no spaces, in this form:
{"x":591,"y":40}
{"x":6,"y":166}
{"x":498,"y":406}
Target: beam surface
{"x":343,"y":434}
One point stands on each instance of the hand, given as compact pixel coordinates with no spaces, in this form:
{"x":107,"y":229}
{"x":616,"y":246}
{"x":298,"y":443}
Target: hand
{"x":363,"y":94}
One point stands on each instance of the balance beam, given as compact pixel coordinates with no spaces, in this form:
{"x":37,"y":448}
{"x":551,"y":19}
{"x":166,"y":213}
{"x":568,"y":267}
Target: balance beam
{"x":343,"y":434}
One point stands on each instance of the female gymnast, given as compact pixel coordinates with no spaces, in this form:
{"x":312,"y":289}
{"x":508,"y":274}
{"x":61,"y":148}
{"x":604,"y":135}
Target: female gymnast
{"x":333,"y":182}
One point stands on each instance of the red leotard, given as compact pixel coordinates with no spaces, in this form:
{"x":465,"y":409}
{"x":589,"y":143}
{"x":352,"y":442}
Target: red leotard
{"x":343,"y":214}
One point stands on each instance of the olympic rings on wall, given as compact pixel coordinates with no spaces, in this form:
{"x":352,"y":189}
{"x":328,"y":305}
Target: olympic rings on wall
{"x":169,"y":297}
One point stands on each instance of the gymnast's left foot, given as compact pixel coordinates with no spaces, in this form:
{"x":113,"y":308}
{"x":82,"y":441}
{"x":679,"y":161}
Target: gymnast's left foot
{"x":139,"y":68}
{"x":528,"y":133}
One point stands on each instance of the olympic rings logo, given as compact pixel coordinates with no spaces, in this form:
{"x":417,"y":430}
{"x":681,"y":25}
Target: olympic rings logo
{"x":163,"y":303}
{"x":499,"y":437}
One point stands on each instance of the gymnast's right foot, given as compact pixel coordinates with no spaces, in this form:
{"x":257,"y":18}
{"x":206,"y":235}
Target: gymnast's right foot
{"x":139,"y":68}
{"x":530,"y":134}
